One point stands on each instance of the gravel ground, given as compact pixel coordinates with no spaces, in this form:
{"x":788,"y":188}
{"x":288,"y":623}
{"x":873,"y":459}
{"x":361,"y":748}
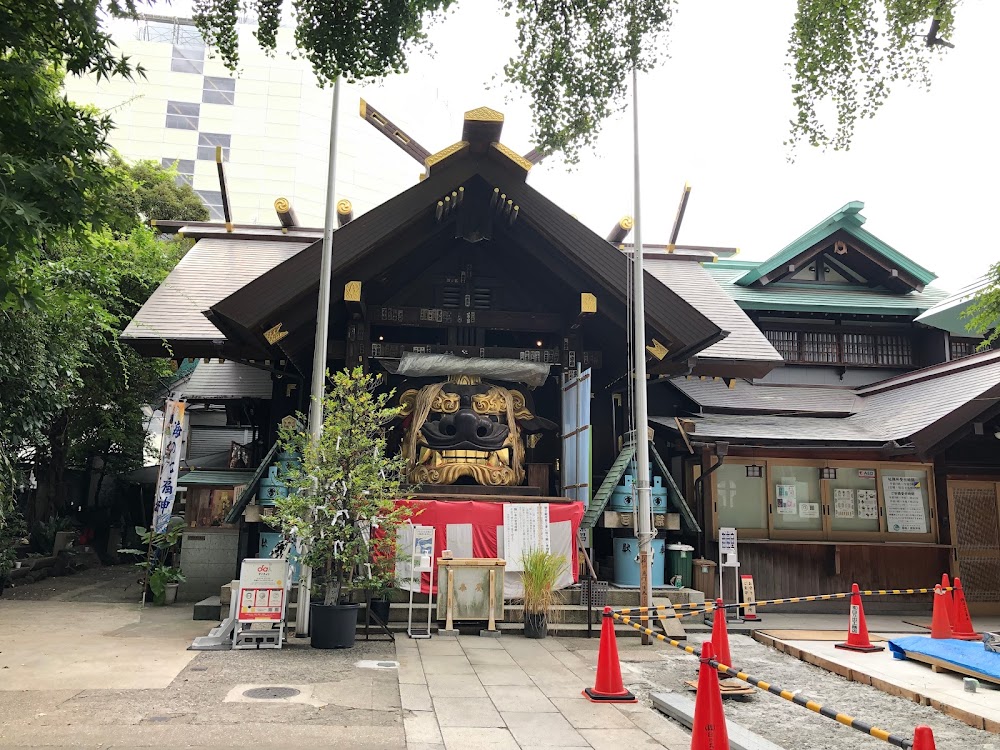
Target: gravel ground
{"x":792,"y":726}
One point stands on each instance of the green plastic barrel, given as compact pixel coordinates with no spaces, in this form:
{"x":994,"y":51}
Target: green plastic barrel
{"x":679,"y":557}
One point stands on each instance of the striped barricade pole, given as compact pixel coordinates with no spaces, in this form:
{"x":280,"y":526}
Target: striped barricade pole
{"x":784,"y":600}
{"x":842,"y":718}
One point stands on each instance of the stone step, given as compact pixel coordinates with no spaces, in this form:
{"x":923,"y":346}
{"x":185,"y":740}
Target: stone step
{"x":560,"y":629}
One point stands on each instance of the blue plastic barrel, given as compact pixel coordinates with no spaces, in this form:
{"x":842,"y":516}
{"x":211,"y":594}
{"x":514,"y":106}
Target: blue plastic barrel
{"x":627,"y":566}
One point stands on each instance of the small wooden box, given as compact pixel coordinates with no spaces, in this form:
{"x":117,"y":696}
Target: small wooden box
{"x":467,"y":582}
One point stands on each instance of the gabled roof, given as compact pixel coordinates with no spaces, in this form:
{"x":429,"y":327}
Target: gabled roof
{"x":174,"y":315}
{"x":819,"y":298}
{"x":408,"y":219}
{"x":920,"y":408}
{"x":716,"y":396}
{"x":846,"y":221}
{"x":947,"y":314}
{"x":745,"y":351}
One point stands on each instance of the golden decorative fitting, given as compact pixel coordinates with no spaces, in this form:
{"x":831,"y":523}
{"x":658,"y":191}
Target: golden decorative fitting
{"x":513,"y":156}
{"x":352,"y":291}
{"x":281,"y":205}
{"x":344,"y":207}
{"x":444,"y":153}
{"x":657,"y":349}
{"x":484,"y":114}
{"x":364,"y":108}
{"x":588,"y":303}
{"x":274,"y":334}
{"x":626,"y":223}
{"x":464,"y":379}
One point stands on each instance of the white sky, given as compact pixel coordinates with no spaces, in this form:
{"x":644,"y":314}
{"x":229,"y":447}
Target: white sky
{"x":716,"y":115}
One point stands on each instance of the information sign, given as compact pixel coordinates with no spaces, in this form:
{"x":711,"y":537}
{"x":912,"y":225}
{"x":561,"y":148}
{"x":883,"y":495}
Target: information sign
{"x":904,"y":505}
{"x":525,"y":528}
{"x":263,"y":583}
{"x":867,"y":504}
{"x":843,"y":502}
{"x":785,"y":496}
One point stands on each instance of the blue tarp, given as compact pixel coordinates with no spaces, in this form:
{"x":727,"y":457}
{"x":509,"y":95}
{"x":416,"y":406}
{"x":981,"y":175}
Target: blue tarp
{"x":968,"y":654}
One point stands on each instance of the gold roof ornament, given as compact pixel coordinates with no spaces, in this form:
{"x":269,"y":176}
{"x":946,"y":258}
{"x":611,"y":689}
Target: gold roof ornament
{"x":513,"y":156}
{"x":444,"y":153}
{"x":484,"y":114}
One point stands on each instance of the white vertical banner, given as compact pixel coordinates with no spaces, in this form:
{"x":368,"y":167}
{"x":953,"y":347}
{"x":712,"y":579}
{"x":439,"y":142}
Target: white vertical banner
{"x":170,"y":462}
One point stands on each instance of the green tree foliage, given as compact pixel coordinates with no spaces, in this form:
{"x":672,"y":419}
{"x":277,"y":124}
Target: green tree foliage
{"x":52,"y":170}
{"x":849,"y":54}
{"x":72,"y":396}
{"x":340,"y":504}
{"x":983,"y":313}
{"x":574,"y":60}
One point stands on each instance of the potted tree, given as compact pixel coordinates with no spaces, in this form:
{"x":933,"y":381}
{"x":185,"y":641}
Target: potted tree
{"x":162,"y":575}
{"x":541,"y":572}
{"x":341,"y":511}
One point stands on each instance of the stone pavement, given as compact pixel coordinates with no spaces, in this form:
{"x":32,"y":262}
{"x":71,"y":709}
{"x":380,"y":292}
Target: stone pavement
{"x":508,"y":693}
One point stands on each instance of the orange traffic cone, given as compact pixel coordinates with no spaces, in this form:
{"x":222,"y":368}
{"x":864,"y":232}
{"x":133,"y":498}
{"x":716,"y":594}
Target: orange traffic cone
{"x":857,"y":628}
{"x":962,"y":626}
{"x":720,"y":635}
{"x":940,"y":627}
{"x":708,"y":732}
{"x":923,"y":739}
{"x":949,"y":600}
{"x":608,"y":687}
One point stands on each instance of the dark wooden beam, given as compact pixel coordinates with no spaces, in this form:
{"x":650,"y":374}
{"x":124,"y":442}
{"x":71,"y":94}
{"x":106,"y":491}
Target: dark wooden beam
{"x":223,"y":188}
{"x":433,"y":317}
{"x":345,"y":212}
{"x":681,"y":208}
{"x":390,"y":350}
{"x":283,"y":207}
{"x":381,"y":123}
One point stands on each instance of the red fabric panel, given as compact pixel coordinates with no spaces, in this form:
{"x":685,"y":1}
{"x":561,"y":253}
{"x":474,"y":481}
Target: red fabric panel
{"x":484,"y":517}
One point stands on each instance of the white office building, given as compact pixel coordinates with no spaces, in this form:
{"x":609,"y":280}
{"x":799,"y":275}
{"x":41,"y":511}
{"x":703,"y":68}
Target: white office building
{"x":271,"y":119}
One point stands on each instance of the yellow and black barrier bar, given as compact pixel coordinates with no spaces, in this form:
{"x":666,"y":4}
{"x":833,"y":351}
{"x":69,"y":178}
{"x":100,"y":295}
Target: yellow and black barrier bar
{"x":787,"y":600}
{"x":847,"y":721}
{"x":676,"y":615}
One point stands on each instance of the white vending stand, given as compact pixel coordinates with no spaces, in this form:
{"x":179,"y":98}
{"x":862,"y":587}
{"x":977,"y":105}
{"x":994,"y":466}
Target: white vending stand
{"x":261,"y":600}
{"x":421,"y":561}
{"x":728,"y":558}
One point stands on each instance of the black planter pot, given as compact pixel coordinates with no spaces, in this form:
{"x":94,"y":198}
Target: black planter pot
{"x":380,"y":609}
{"x":333,"y":625}
{"x":535,"y":626}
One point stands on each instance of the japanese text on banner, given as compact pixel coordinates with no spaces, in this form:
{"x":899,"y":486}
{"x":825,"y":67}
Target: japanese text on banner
{"x":170,"y":462}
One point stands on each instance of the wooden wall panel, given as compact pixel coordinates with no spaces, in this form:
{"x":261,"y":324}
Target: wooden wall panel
{"x":781,"y":570}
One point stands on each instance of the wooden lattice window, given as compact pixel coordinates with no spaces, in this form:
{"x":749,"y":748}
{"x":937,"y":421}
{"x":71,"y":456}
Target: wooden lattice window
{"x":835,"y":348}
{"x":786,"y":343}
{"x":820,"y":347}
{"x":894,"y":351}
{"x":961,"y":348}
{"x":859,"y":349}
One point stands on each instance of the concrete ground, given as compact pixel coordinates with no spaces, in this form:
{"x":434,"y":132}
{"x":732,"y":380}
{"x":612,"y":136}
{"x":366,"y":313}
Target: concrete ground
{"x":82,"y":666}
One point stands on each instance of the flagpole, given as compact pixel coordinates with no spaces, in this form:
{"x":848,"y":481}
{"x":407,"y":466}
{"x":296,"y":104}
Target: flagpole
{"x":317,"y":389}
{"x":643,"y":525}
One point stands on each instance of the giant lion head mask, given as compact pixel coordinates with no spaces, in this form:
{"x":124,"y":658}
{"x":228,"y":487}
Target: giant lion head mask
{"x":467,"y":428}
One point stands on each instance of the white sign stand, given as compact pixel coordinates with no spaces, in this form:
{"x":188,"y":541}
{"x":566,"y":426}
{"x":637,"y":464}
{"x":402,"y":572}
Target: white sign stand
{"x":421,"y":561}
{"x":728,"y":558}
{"x":261,"y":598}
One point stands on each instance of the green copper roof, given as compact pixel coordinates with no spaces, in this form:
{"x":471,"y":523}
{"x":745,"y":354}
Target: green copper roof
{"x":848,"y":219}
{"x":820,"y":298}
